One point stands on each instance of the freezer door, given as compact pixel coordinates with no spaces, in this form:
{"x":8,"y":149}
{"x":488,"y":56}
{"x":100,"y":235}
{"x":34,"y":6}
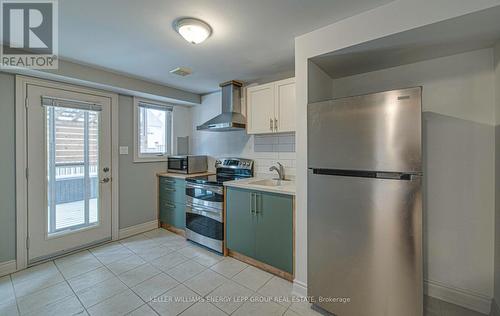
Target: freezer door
{"x":365,"y":245}
{"x":379,"y":132}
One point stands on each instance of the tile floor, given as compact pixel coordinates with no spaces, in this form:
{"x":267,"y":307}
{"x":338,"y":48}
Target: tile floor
{"x":156,"y":273}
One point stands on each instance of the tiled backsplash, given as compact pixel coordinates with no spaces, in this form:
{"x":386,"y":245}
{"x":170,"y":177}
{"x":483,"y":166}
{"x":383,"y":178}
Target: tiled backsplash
{"x":275,"y":143}
{"x":264,"y":157}
{"x":270,"y":149}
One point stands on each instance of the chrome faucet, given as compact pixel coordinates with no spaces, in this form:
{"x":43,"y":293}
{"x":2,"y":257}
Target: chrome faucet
{"x":280,"y":170}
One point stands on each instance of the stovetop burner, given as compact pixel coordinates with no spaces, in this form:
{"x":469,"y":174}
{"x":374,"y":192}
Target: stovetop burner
{"x":214,"y":179}
{"x":227,"y":169}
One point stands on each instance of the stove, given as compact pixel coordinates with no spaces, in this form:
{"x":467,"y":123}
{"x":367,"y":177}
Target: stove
{"x":205,"y":201}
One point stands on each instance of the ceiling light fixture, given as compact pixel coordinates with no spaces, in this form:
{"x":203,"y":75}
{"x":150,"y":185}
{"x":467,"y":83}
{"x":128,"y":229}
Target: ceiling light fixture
{"x":193,"y":30}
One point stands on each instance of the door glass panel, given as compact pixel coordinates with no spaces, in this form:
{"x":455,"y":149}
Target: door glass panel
{"x":72,"y":168}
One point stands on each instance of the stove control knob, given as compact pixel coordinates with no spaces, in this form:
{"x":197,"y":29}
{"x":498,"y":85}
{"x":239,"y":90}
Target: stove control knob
{"x":217,"y":162}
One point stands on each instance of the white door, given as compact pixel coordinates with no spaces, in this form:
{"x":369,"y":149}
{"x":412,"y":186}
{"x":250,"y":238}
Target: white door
{"x":285,"y":105}
{"x":69,"y":170}
{"x":260,"y":109}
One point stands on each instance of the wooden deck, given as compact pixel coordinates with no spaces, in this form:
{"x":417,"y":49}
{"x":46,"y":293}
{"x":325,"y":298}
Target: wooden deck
{"x":72,"y":214}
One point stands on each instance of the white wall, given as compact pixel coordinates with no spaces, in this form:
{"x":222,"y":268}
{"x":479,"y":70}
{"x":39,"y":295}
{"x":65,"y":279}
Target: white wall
{"x":459,"y":139}
{"x":395,"y":17}
{"x":319,"y":84}
{"x":181,"y":124}
{"x":460,"y":86}
{"x":238,"y":143}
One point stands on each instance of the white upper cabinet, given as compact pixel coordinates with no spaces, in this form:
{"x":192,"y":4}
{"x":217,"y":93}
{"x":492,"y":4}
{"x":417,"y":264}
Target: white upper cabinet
{"x":285,"y":105}
{"x":271,"y":107}
{"x":260,"y":109}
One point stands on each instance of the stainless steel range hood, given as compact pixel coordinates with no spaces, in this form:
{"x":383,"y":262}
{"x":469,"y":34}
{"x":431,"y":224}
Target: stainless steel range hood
{"x":231,"y":118}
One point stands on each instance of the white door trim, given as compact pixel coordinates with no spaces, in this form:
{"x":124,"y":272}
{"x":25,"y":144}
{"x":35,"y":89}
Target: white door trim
{"x":21,"y":159}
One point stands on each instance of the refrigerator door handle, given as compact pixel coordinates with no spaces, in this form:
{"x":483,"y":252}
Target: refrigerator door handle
{"x":367,"y":174}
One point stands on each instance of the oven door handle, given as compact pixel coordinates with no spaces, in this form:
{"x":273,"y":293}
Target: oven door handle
{"x":212,"y":188}
{"x":199,"y":209}
{"x":203,"y":212}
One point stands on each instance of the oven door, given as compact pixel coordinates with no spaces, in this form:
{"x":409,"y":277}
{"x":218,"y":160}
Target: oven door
{"x":204,"y":195}
{"x":204,"y":226}
{"x":178,"y":164}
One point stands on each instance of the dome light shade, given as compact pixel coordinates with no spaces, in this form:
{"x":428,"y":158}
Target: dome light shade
{"x":193,"y":30}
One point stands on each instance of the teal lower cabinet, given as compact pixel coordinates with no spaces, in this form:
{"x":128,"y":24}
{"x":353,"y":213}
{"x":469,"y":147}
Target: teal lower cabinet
{"x":172,"y":202}
{"x":173,"y":214}
{"x":240,"y":221}
{"x":259,"y":225}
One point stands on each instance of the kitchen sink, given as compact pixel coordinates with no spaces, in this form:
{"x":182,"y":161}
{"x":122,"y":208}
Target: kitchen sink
{"x":270,"y":182}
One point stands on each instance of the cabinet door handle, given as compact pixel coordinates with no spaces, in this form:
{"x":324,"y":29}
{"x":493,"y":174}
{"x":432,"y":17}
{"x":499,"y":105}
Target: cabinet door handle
{"x":169,"y":205}
{"x":252,"y":203}
{"x":167,"y":189}
{"x":258,"y":209}
{"x":271,"y":124}
{"x":169,"y":181}
{"x":276,"y":124}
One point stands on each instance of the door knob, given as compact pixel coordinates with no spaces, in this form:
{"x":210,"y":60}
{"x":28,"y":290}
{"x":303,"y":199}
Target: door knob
{"x":105,"y":180}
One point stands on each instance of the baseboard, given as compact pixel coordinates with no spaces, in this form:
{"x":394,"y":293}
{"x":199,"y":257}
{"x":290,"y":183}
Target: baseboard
{"x":495,"y":310}
{"x":7,"y":267}
{"x":261,"y":265}
{"x":137,"y":229}
{"x":457,"y":296}
{"x":299,"y":288}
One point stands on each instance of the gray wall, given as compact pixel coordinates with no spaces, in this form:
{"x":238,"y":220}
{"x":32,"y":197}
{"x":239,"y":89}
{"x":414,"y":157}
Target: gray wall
{"x":137,"y":183}
{"x":137,"y":180}
{"x":138,"y":195}
{"x":7,"y":169}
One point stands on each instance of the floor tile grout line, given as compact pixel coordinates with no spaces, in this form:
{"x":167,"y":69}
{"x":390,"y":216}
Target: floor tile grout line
{"x":135,"y":293}
{"x":265,"y":283}
{"x":75,"y":276}
{"x":69,"y":285}
{"x":15,"y":295}
{"x":146,"y":304}
{"x":120,"y":292}
{"x":169,"y":291}
{"x":188,"y":259}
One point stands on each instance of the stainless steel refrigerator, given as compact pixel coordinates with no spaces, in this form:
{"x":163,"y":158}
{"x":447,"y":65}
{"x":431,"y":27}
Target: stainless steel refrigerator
{"x":365,"y":204}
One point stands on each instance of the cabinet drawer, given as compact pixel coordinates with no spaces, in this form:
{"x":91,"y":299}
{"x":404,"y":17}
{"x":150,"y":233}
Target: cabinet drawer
{"x":170,"y":182}
{"x":173,"y":194}
{"x":173,"y":214}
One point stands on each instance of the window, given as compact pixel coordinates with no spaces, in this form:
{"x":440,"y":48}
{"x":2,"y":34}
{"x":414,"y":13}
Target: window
{"x":152,"y":130}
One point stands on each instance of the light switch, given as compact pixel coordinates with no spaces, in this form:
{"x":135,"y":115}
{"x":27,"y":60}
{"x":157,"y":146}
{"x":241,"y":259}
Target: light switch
{"x":123,"y":150}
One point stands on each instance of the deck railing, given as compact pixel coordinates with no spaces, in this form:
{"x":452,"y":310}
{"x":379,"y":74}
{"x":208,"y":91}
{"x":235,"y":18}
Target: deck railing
{"x":70,"y":182}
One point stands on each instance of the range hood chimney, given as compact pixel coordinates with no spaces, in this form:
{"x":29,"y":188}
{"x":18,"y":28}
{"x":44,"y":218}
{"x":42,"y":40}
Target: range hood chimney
{"x":231,"y":118}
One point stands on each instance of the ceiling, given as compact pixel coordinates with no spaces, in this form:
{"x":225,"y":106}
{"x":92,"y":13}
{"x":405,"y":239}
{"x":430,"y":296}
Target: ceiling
{"x":251,"y":40}
{"x":462,"y":34}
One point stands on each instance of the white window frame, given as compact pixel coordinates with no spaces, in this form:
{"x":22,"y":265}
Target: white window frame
{"x":152,"y":157}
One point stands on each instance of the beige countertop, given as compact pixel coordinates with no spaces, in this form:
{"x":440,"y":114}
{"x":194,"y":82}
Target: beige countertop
{"x":287,"y":187}
{"x":183,"y":175}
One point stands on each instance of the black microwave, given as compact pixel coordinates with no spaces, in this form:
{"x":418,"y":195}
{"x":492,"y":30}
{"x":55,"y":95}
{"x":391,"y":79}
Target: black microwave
{"x":187,"y":164}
